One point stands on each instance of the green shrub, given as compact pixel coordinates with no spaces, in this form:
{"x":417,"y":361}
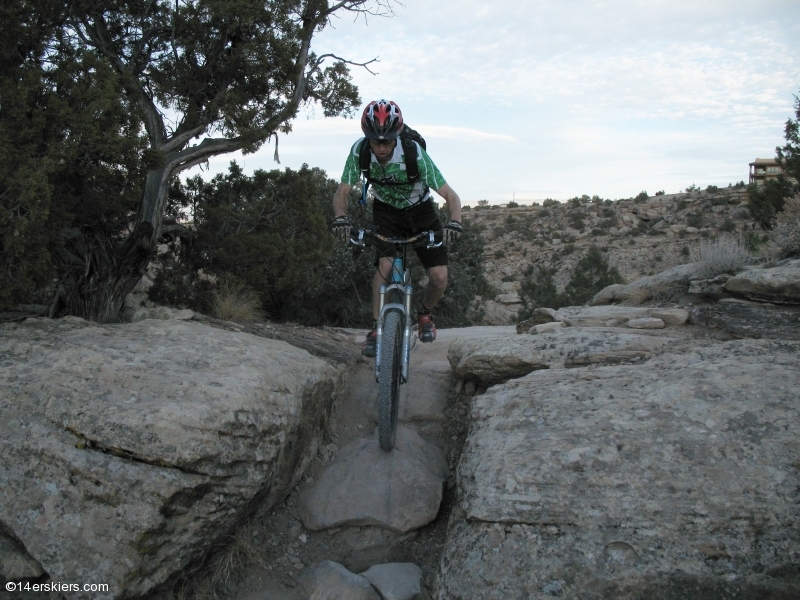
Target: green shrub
{"x":712,"y":189}
{"x":592,"y":273}
{"x":767,"y":200}
{"x":785,"y":237}
{"x":538,"y":290}
{"x":550,"y":202}
{"x":568,"y":249}
{"x":728,"y":225}
{"x":641,"y":197}
{"x":660,"y":193}
{"x":513,"y":204}
{"x":685,"y":251}
{"x":544,"y":213}
{"x":681,"y":204}
{"x":695,"y":220}
{"x":499,"y":253}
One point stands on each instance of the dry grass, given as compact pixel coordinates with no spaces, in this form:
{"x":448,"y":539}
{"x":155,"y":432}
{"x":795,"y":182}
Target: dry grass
{"x":722,"y":255}
{"x":210,"y":582}
{"x":234,"y":301}
{"x":785,"y":238}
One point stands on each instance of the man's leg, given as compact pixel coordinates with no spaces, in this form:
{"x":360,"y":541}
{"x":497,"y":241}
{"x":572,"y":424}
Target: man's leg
{"x":437,"y":283}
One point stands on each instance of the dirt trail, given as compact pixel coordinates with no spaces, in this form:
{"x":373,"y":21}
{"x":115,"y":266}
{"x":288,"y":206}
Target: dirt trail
{"x":276,"y":546}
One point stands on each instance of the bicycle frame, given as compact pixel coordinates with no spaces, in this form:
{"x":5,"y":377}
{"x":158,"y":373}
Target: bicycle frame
{"x":400,"y":281}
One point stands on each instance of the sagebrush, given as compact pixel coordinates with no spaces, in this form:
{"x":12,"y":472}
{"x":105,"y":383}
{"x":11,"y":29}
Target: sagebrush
{"x":722,"y":255}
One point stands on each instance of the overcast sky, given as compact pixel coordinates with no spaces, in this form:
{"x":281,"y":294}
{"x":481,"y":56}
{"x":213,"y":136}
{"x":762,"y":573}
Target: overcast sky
{"x":530,"y":100}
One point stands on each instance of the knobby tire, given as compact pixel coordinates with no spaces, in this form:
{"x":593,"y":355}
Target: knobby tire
{"x":389,"y":379}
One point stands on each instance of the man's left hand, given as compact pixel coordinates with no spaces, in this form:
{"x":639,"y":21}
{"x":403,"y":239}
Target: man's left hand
{"x":452,"y":231}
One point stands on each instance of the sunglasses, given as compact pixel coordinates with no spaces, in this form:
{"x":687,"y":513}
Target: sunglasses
{"x":381,"y":142}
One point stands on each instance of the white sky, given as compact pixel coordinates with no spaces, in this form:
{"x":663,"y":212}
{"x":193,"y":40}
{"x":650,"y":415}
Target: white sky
{"x":561,"y":98}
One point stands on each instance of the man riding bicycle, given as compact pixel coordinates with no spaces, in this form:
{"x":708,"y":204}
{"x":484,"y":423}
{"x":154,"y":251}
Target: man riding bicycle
{"x":401,"y":209}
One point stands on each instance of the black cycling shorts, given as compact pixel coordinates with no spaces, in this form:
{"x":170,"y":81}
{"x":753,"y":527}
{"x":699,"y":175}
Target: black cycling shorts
{"x":403,"y":223}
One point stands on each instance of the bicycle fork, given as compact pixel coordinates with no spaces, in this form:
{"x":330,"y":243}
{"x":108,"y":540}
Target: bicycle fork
{"x":405,"y":309}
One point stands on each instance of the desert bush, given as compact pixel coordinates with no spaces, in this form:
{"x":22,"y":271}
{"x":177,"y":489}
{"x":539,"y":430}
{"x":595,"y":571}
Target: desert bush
{"x":233,"y":300}
{"x":722,"y":255}
{"x":513,"y":204}
{"x":785,"y":237}
{"x":660,"y":193}
{"x":681,"y":204}
{"x":641,"y":197}
{"x":728,"y":225}
{"x":549,"y":202}
{"x":712,"y":189}
{"x":685,"y":251}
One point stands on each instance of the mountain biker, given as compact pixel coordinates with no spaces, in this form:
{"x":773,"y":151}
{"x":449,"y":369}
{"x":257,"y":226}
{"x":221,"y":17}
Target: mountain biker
{"x":401,"y":208}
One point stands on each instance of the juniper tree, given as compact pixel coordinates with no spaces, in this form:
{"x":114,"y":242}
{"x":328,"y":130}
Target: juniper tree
{"x":176,"y":84}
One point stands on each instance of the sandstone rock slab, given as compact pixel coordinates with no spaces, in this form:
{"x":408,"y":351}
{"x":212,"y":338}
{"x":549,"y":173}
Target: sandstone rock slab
{"x":399,"y":490}
{"x":128,"y":449}
{"x":397,"y":581}
{"x":547,"y":327}
{"x":777,"y":284}
{"x":674,"y":479}
{"x":330,"y":580}
{"x":496,"y":359}
{"x":646,"y":323}
{"x":600,"y":316}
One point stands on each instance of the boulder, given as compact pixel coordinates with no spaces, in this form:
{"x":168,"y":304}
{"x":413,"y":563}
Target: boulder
{"x":332,"y":581}
{"x":677,"y":479}
{"x":645,"y":288}
{"x":397,"y":581}
{"x":674,"y":317}
{"x":539,"y":316}
{"x":777,"y":284}
{"x":399,"y":490}
{"x":129,"y":450}
{"x":510,"y":298}
{"x":494,"y":359}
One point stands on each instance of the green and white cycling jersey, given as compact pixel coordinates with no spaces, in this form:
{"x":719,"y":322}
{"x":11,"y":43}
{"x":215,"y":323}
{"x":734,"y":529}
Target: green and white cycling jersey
{"x":401,"y":194}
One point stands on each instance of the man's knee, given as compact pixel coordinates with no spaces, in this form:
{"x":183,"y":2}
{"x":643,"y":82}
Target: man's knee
{"x":438,"y":276}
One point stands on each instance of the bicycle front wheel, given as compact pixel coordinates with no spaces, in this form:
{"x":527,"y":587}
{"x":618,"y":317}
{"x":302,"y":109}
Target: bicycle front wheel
{"x":389,"y":378}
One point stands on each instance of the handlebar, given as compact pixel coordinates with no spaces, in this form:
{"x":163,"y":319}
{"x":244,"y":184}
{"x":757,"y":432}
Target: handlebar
{"x":368,"y":237}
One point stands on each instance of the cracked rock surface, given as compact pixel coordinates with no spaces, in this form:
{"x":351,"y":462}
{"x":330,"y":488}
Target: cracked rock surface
{"x":677,"y":478}
{"x":128,"y":449}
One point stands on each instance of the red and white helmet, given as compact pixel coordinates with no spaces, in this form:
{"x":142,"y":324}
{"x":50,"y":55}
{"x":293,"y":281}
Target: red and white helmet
{"x":382,"y":120}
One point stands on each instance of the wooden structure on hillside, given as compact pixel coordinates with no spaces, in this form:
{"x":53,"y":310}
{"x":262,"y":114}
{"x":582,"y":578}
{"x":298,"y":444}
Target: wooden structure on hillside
{"x":763,"y":169}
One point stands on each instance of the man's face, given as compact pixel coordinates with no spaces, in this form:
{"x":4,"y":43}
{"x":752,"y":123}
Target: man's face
{"x":382,"y":149}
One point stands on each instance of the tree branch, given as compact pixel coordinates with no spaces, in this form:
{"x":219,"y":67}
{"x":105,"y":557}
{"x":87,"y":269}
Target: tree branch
{"x":365,"y":65}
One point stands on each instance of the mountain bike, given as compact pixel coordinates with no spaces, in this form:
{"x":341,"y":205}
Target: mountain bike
{"x":394,"y":344}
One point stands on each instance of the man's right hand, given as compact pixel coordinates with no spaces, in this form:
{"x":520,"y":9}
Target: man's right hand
{"x":340,"y":228}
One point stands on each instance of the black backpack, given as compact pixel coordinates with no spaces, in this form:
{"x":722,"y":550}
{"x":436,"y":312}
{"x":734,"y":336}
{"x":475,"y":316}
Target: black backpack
{"x":407,"y":138}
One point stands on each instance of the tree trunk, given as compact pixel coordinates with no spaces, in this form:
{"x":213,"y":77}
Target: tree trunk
{"x":100,"y":271}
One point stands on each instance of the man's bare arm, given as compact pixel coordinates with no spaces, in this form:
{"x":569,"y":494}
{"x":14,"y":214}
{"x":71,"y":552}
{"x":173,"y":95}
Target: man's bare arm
{"x":452,"y":200}
{"x":340,"y":200}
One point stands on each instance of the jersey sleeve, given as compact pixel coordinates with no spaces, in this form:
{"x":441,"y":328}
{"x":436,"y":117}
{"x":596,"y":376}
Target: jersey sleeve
{"x":352,"y":173}
{"x":428,"y":171}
